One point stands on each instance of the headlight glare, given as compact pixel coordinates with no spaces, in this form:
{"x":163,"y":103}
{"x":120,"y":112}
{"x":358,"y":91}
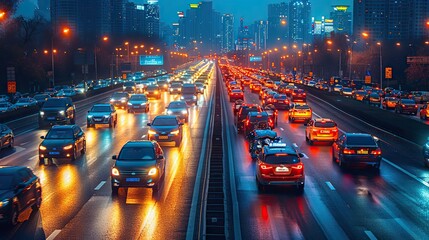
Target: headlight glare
{"x":68,"y":147}
{"x":175,"y":132}
{"x":62,"y":112}
{"x":4,"y":203}
{"x":151,"y":132}
{"x":115,"y":172}
{"x":42,"y":147}
{"x":152,"y":171}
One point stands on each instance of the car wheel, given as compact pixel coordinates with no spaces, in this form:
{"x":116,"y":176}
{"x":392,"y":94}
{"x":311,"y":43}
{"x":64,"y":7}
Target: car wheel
{"x":177,"y":143}
{"x":73,"y":156}
{"x":334,"y":159}
{"x":300,"y":188}
{"x":115,"y":190}
{"x":83,"y":151}
{"x":12,"y":141}
{"x":292,"y":120}
{"x":261,"y":188}
{"x":341,"y":164}
{"x":311,"y":142}
{"x":110,"y":123}
{"x":306,"y":137}
{"x":41,"y":161}
{"x":88,"y":125}
{"x":72,"y":120}
{"x":156,"y":187}
{"x":37,"y":203}
{"x":14,"y":215}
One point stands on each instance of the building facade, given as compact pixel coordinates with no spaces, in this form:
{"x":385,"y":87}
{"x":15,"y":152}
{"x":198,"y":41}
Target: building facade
{"x":279,"y":24}
{"x":227,"y":33}
{"x":342,"y":19}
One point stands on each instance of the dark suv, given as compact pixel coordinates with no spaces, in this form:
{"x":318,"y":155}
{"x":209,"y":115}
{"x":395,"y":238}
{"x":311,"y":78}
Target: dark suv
{"x":57,"y":110}
{"x":139,"y":164}
{"x":256,"y":120}
{"x":242,"y":114}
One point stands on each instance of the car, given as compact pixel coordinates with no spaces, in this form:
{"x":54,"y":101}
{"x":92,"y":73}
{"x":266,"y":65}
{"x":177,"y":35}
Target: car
{"x":163,"y":85}
{"x":289,"y":89}
{"x":300,"y":111}
{"x":256,"y":120}
{"x":242,"y":114}
{"x":424,"y":112}
{"x":138,"y":102}
{"x":200,"y":87}
{"x":389,"y":102}
{"x":102,"y":113}
{"x":26,"y":102}
{"x":62,"y":141}
{"x":20,"y":190}
{"x":129,"y":87}
{"x":256,"y":88}
{"x":7,"y":107}
{"x":51,"y":91}
{"x":236,"y":94}
{"x":273,"y":114}
{"x":179,"y":109}
{"x":140,"y":163}
{"x":359,"y":95}
{"x":4,"y":98}
{"x":406,"y":106}
{"x":57,"y":110}
{"x":281,"y":102}
{"x":189,"y":94}
{"x":7,"y":138}
{"x":347,"y":92}
{"x":280,"y":165}
{"x":153,"y":91}
{"x":298,"y":95}
{"x":356,"y":149}
{"x":175,"y":87}
{"x":373,"y":99}
{"x":41,"y":98}
{"x":321,"y":129}
{"x":166,"y":128}
{"x":66,"y":93}
{"x":80,"y":88}
{"x":337,"y":88}
{"x":120,"y":99}
{"x":426,"y":153}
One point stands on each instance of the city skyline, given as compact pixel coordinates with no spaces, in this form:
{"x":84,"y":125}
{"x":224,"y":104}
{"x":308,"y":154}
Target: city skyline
{"x":169,"y":9}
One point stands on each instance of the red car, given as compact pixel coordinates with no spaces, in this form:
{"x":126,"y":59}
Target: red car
{"x":298,"y":95}
{"x":236,"y":94}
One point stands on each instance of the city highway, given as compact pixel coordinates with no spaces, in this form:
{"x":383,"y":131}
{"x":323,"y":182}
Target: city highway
{"x":77,"y":201}
{"x":336,"y":204}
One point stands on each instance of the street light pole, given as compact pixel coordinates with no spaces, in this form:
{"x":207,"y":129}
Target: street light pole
{"x":53,"y":60}
{"x":339,"y":65}
{"x":381,"y":67}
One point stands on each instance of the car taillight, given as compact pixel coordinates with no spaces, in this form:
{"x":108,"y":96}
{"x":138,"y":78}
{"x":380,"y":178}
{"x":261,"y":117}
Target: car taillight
{"x":265,"y":167}
{"x":247,"y":122}
{"x":403,"y":105}
{"x":275,"y":100}
{"x":298,"y":167}
{"x":315,"y":130}
{"x":348,"y":151}
{"x":303,"y":94}
{"x":334,"y":130}
{"x":416,"y":106}
{"x":294,"y":94}
{"x":376,"y":151}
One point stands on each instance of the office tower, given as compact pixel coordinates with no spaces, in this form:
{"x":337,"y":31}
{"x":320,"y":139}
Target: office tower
{"x":278,"y":24}
{"x":260,"y":35}
{"x":342,"y":19}
{"x":299,"y":18}
{"x":227,"y":33}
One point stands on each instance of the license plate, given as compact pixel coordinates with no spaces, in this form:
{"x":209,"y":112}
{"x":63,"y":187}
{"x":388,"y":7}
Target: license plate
{"x":135,"y":106}
{"x":163,"y":137}
{"x":325,"y":131}
{"x":54,"y":153}
{"x":282,"y":169}
{"x":97,"y":120}
{"x":132,"y":179}
{"x":362,"y":151}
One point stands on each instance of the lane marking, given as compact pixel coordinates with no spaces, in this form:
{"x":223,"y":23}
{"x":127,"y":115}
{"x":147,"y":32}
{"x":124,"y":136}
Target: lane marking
{"x":282,"y":129}
{"x":53,"y":235}
{"x":406,"y":172}
{"x":22,"y":144}
{"x":294,"y":145}
{"x":100,"y":185}
{"x":330,"y":186}
{"x":370,"y":235}
{"x":33,"y":157}
{"x":305,"y":155}
{"x":144,"y":136}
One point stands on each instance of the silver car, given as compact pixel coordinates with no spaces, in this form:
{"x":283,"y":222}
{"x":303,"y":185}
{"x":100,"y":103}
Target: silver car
{"x":179,"y":109}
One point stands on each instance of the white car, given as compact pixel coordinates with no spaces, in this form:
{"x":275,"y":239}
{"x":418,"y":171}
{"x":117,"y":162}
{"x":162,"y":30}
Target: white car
{"x":26,"y":102}
{"x":66,"y":93}
{"x":80,"y":88}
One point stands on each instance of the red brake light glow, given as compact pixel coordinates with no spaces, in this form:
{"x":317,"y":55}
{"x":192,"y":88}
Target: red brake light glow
{"x":348,"y":151}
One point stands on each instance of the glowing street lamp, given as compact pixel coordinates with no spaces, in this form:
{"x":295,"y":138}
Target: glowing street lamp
{"x":2,"y":14}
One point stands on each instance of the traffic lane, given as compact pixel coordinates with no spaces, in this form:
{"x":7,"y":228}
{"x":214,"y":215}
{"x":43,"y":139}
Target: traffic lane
{"x":63,"y":176}
{"x":403,"y":153}
{"x":361,"y":199}
{"x":139,"y":213}
{"x":276,"y":214}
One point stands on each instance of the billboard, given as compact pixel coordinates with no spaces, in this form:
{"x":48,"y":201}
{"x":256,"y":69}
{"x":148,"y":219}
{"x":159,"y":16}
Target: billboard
{"x":151,"y":60}
{"x":255,"y":59}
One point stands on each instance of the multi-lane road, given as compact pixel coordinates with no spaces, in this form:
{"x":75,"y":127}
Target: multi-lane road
{"x":336,"y":204}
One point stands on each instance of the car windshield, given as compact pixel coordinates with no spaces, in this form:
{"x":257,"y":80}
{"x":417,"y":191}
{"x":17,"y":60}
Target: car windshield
{"x":176,"y":85}
{"x":325,"y":124}
{"x":129,"y":84}
{"x":101,"y":109}
{"x":259,"y":119}
{"x":302,"y":107}
{"x":5,"y":182}
{"x":138,"y":98}
{"x":119,"y":95}
{"x":408,"y":101}
{"x":177,"y":105}
{"x":281,"y":159}
{"x":281,"y":97}
{"x":188,"y":90}
{"x":55,"y":103}
{"x":360,"y":140}
{"x":236,"y":90}
{"x":40,"y":97}
{"x":137,"y":153}
{"x":60,"y":134}
{"x":24,"y":100}
{"x":164,"y":122}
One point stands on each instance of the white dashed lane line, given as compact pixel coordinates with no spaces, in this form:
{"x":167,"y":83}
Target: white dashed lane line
{"x":330,"y":186}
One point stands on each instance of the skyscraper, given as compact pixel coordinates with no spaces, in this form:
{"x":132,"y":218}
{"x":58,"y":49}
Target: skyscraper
{"x":244,"y":40}
{"x":117,"y":18}
{"x":300,"y":21}
{"x":227,"y":33}
{"x":342,"y":19}
{"x":44,"y":8}
{"x":391,"y":19}
{"x":260,"y":35}
{"x":278,"y":24}
{"x":151,"y":22}
{"x":64,"y":13}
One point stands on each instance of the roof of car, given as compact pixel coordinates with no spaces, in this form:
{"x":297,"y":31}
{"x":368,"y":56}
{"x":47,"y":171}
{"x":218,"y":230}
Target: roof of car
{"x":357,"y":134}
{"x":62,"y":126}
{"x":139,"y":143}
{"x":323,"y":120}
{"x":274,"y":148}
{"x":10,"y":169}
{"x":166,"y":116}
{"x":102,"y":104}
{"x":252,"y":114}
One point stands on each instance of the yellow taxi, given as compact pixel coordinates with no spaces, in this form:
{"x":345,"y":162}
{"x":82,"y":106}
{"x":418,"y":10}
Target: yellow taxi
{"x":300,"y":111}
{"x":321,"y":129}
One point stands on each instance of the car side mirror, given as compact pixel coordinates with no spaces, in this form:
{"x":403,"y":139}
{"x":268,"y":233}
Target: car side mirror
{"x":376,"y":138}
{"x":301,"y":155}
{"x":161,"y":157}
{"x":181,"y":123}
{"x":42,"y":137}
{"x":149,"y":124}
{"x":114,"y":157}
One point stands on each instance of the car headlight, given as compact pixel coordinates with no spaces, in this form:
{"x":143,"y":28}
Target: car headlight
{"x":151,"y":132}
{"x":90,"y":116}
{"x":184,"y":112}
{"x":169,"y":112}
{"x":194,"y":97}
{"x":115,"y":172}
{"x":129,"y":104}
{"x":43,"y":148}
{"x":112,"y":100}
{"x":143,"y":103}
{"x":175,"y":132}
{"x":4,"y":203}
{"x":106,"y":116}
{"x":42,"y":113}
{"x":68,"y":147}
{"x":152,"y":171}
{"x":61,"y":112}
{"x":182,"y":97}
